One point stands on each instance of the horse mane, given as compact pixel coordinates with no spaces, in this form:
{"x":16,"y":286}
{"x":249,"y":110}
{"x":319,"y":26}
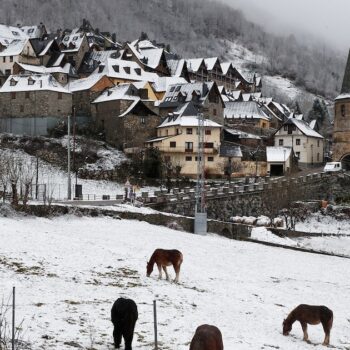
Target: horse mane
{"x":291,"y":317}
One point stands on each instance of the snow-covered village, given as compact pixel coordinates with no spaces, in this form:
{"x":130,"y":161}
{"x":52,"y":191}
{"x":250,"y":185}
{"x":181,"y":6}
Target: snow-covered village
{"x":174,"y":175}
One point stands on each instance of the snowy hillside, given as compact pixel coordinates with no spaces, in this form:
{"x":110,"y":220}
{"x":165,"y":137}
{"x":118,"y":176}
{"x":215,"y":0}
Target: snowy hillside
{"x":68,"y":272}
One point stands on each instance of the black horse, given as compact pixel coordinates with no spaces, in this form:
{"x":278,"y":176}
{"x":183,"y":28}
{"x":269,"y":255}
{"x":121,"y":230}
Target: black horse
{"x":124,"y":316}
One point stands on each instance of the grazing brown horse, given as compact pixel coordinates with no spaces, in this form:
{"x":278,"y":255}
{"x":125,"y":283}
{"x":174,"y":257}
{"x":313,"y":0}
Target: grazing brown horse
{"x":164,"y":258}
{"x":310,"y":314}
{"x":207,"y":338}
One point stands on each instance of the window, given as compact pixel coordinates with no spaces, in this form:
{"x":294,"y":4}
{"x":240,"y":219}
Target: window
{"x":318,"y":156}
{"x":297,"y":142}
{"x":318,"y":143}
{"x":208,"y":145}
{"x":127,"y":70}
{"x":188,"y":158}
{"x":143,"y":120}
{"x":116,"y":68}
{"x":27,"y":94}
{"x":100,"y":69}
{"x":13,"y":95}
{"x":13,"y":82}
{"x":173,"y":144}
{"x":210,"y":159}
{"x":138,"y":71}
{"x":11,"y":58}
{"x":30,"y":82}
{"x":177,"y":131}
{"x":21,"y":108}
{"x":280,"y":142}
{"x":214,"y":111}
{"x":208,"y":132}
{"x":4,"y":59}
{"x":189,"y":131}
{"x":285,"y":128}
{"x":178,"y":88}
{"x":60,"y":95}
{"x":188,"y":146}
{"x":297,"y":154}
{"x":342,"y":110}
{"x":172,"y":88}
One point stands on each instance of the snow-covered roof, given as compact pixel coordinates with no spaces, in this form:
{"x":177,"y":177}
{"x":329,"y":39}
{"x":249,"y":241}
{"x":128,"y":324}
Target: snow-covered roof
{"x":187,"y":121}
{"x":313,"y":123}
{"x":66,"y":69}
{"x":278,"y":154}
{"x":210,"y":62}
{"x":46,"y":48}
{"x":176,"y":66}
{"x":242,"y":134}
{"x":127,"y":70}
{"x":163,"y":83}
{"x":146,"y":52}
{"x":85,"y":83}
{"x":12,"y":33}
{"x":15,"y":48}
{"x":32,"y":31}
{"x":227,"y":150}
{"x":72,"y":42}
{"x":119,"y":92}
{"x":32,"y":82}
{"x":304,"y":127}
{"x":193,"y":64}
{"x":342,"y":96}
{"x":225,"y":66}
{"x":244,"y":110}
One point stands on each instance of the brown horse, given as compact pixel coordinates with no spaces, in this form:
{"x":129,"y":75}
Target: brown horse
{"x":310,"y":314}
{"x":164,"y":258}
{"x":207,"y":338}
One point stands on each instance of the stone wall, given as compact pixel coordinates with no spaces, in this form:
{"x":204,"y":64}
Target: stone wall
{"x":35,"y":104}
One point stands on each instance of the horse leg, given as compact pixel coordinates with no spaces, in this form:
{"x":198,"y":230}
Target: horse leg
{"x":160,"y":271}
{"x":166,"y":273}
{"x":304,"y":327}
{"x":177,"y":273}
{"x":117,"y":336}
{"x":327,"y":331}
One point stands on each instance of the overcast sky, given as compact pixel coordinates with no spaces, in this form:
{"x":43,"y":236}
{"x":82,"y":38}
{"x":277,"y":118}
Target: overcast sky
{"x":327,"y":19}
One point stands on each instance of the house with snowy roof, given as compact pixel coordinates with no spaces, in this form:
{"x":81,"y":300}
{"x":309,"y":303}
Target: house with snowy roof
{"x":204,"y":95}
{"x":148,"y":55}
{"x":32,"y":104}
{"x":197,"y":69}
{"x":86,"y":90}
{"x":34,"y":32}
{"x":74,"y":46}
{"x":307,"y":144}
{"x":178,"y":68}
{"x":124,"y":114}
{"x":177,"y":140}
{"x":280,"y":160}
{"x":248,"y":113}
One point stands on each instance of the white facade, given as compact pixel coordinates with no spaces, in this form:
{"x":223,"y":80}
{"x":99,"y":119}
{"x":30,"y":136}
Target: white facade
{"x":306,"y":143}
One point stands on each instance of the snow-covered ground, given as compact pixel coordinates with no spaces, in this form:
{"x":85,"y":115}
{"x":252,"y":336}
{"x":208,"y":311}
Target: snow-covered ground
{"x":68,"y":271}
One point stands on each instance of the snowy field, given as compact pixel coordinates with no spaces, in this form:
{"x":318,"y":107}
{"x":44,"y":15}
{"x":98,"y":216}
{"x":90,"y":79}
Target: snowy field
{"x":68,"y":271}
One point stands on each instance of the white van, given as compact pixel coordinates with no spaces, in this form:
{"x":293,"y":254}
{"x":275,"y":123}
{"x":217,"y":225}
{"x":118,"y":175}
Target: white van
{"x":333,"y":166}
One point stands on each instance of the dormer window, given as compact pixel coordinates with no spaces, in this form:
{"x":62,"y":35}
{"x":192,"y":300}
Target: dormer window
{"x":75,"y":38}
{"x":116,"y":68}
{"x":172,"y":88}
{"x":138,"y":71}
{"x":15,"y":33}
{"x":66,"y":38}
{"x":109,"y":93}
{"x":30,"y":81}
{"x":31,"y":30}
{"x":101,"y":68}
{"x":13,"y":82}
{"x":127,"y":70}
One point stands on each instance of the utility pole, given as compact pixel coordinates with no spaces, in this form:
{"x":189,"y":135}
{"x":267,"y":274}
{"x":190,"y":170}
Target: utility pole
{"x":69,"y":192}
{"x":200,"y":217}
{"x":37,"y":176}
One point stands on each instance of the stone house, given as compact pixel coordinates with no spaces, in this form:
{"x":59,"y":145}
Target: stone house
{"x":205,"y":97}
{"x":246,"y":113}
{"x":17,"y":51}
{"x":32,"y":104}
{"x":177,"y":140}
{"x":307,"y":144}
{"x":124,"y":117}
{"x":74,"y":46}
{"x":85,"y":91}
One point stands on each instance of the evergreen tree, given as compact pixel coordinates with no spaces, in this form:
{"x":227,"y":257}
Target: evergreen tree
{"x":317,"y":112}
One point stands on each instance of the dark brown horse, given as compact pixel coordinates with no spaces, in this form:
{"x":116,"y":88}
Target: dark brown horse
{"x":207,"y":338}
{"x":164,"y":258}
{"x":310,"y":314}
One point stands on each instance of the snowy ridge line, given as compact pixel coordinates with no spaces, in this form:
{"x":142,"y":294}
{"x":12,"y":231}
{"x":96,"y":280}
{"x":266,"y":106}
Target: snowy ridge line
{"x":304,"y":250}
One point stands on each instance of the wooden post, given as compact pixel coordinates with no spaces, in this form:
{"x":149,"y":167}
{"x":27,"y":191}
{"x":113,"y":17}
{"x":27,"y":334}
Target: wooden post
{"x":155,"y":324}
{"x":13,"y":316}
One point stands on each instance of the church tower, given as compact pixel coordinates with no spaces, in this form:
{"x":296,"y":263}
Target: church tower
{"x":341,"y":128}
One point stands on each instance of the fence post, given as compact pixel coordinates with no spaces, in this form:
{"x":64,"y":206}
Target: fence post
{"x":13,"y":316}
{"x":155,"y":324}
